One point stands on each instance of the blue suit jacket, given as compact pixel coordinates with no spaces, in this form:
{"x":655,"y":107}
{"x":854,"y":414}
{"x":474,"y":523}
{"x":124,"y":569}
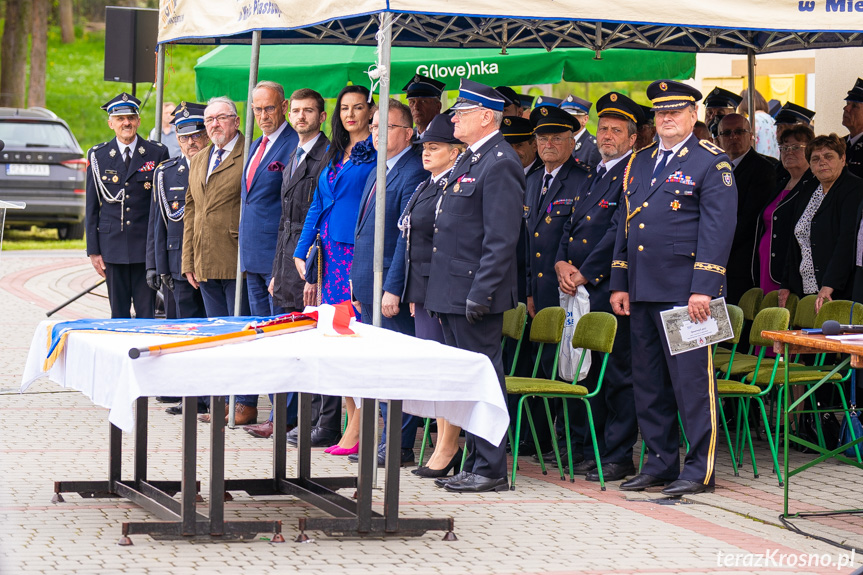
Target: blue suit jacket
{"x":259,"y":225}
{"x":338,"y":201}
{"x":402,"y":180}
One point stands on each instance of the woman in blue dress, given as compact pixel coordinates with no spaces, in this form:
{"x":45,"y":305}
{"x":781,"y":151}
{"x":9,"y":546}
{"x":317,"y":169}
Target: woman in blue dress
{"x":334,"y":209}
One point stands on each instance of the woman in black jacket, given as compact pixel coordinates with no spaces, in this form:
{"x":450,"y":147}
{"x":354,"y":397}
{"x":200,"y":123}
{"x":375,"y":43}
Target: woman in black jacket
{"x":821,"y":257}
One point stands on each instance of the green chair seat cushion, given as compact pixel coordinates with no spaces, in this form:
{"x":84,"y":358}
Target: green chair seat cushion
{"x":800,"y":376}
{"x":729,"y":387}
{"x":746,"y":365}
{"x":528,"y":386}
{"x":722,"y":351}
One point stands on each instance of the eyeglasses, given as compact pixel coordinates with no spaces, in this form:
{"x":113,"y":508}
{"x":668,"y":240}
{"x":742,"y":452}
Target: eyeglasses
{"x":793,"y":148}
{"x":737,"y":132}
{"x":460,"y":113}
{"x":556,"y":140}
{"x":268,"y":109}
{"x":221,"y":118}
{"x":196,"y":136}
{"x":376,"y":127}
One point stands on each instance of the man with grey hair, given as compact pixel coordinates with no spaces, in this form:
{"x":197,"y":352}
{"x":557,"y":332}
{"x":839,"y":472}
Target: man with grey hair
{"x":212,"y":218}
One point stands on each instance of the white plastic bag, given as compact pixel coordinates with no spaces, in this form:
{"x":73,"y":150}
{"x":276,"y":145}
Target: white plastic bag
{"x":575,"y":307}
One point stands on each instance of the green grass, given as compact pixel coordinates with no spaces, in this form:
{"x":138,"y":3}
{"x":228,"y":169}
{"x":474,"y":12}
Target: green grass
{"x":38,"y":239}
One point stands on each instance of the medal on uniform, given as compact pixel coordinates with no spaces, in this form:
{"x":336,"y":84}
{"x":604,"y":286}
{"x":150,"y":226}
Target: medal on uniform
{"x":548,"y":219}
{"x":112,"y":153}
{"x":104,"y":177}
{"x":147,"y":185}
{"x":141,"y":150}
{"x":457,"y":187}
{"x":675,"y":205}
{"x":115,"y":179}
{"x":175,"y":205}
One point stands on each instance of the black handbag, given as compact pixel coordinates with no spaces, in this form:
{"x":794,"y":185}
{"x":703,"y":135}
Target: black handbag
{"x":851,"y":423}
{"x":314,"y":264}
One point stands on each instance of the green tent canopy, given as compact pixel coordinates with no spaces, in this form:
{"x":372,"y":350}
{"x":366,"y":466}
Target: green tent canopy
{"x":327,"y":68}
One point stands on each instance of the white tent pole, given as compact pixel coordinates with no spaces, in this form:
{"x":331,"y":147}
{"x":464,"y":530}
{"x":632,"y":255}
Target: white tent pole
{"x":750,"y":65}
{"x":160,"y":89}
{"x":384,"y":43}
{"x":249,"y":132}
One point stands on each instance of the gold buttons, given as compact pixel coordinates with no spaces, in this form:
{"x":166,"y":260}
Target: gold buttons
{"x":537,"y":254}
{"x":536,"y":234}
{"x":569,"y":262}
{"x":584,"y":241}
{"x":640,"y":226}
{"x":641,"y":248}
{"x":570,"y":239}
{"x":539,"y":275}
{"x":644,"y":204}
{"x":434,"y":249}
{"x":588,"y":218}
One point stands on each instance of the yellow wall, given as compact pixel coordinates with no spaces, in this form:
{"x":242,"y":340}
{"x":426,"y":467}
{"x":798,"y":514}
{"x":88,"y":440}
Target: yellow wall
{"x":782,"y":87}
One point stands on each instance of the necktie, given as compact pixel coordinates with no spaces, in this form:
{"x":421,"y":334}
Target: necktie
{"x":546,"y":182}
{"x":369,"y":201}
{"x":218,"y":158}
{"x":256,"y":161}
{"x":297,"y":159}
{"x":600,"y":171}
{"x":663,"y":160}
{"x":127,"y":157}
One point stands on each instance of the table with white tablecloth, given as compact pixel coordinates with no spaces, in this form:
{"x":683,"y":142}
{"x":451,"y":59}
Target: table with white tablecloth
{"x":429,"y":379}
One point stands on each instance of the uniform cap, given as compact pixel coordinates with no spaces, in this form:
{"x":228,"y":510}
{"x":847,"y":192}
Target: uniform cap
{"x":516,"y":129}
{"x":551,"y":120}
{"x":576,"y":105}
{"x":189,"y":118}
{"x":722,"y":98}
{"x":617,"y":105}
{"x":424,"y":87}
{"x":474,"y":95}
{"x":671,"y":95}
{"x":122,"y":104}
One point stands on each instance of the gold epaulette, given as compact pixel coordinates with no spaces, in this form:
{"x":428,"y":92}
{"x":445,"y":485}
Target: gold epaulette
{"x":711,"y":147}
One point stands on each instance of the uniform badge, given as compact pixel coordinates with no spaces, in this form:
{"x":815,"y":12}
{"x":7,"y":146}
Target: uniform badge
{"x":683,"y":152}
{"x":548,"y":219}
{"x":147,"y":185}
{"x":726,"y":179}
{"x":175,"y":206}
{"x":181,"y":169}
{"x":543,"y":111}
{"x":475,"y":158}
{"x":663,"y":86}
{"x":141,"y":150}
{"x":125,"y":97}
{"x":578,"y":146}
{"x":613,"y":97}
{"x":456,"y":188}
{"x":507,"y":122}
{"x":675,"y":205}
{"x":499,"y":154}
{"x":115,"y":179}
{"x":722,"y":165}
{"x":112,"y":153}
{"x":104,"y":177}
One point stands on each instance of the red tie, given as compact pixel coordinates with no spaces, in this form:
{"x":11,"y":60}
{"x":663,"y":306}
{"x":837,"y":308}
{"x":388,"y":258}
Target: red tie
{"x":369,"y":200}
{"x":255,"y":161}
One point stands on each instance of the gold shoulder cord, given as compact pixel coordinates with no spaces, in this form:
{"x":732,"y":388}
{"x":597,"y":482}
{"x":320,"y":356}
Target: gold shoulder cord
{"x":629,"y":215}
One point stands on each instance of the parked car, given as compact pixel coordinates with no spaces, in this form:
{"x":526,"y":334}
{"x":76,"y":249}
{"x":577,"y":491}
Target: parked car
{"x":42,"y":165}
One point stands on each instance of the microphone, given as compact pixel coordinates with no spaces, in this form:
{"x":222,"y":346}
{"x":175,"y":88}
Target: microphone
{"x":832,"y":327}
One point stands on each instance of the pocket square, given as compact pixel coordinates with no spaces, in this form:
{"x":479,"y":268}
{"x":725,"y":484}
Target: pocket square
{"x":276,"y":167}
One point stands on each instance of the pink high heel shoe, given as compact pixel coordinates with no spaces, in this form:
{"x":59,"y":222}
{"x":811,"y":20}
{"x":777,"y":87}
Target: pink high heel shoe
{"x":342,"y":451}
{"x":330,"y":448}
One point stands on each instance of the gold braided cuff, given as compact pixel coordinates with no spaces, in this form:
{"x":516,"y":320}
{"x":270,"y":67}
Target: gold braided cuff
{"x":620,"y":264}
{"x":710,"y":268}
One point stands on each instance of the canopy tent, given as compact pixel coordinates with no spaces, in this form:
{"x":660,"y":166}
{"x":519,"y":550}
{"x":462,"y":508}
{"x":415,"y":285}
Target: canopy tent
{"x":729,"y":26}
{"x":327,"y":69}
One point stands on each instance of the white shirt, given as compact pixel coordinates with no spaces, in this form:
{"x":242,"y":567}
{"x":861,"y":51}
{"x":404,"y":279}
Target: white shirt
{"x":271,"y":139}
{"x":307,"y":147}
{"x":477,"y":145}
{"x":391,"y":162}
{"x":437,"y":178}
{"x":553,"y":175}
{"x":611,"y":163}
{"x":675,"y":149}
{"x":229,"y":147}
{"x":852,"y":141}
{"x":123,"y":147}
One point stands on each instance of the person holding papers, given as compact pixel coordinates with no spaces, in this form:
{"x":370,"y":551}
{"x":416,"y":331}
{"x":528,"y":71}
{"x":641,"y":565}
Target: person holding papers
{"x":671,"y":250}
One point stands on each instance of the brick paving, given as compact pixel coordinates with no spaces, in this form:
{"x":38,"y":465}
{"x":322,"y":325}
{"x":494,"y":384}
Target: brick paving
{"x":547,"y":526}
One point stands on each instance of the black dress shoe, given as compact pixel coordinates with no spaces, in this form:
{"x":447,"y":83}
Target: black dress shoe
{"x":178,"y":409}
{"x":442,"y":481}
{"x":612,"y":472}
{"x":319,"y":437}
{"x":435,"y":473}
{"x":473,"y":483}
{"x":407,"y":459}
{"x":642,"y":481}
{"x":582,"y":468}
{"x":686,"y":487}
{"x":167,"y":399}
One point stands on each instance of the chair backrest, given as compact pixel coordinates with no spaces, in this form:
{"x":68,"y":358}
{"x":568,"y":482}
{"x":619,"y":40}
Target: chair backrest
{"x":770,"y":299}
{"x":514,"y":321}
{"x":805,"y":316}
{"x":750,"y":302}
{"x":595,"y":331}
{"x":791,"y":304}
{"x":770,"y":319}
{"x":547,"y":325}
{"x":735,"y":315}
{"x":839,"y":310}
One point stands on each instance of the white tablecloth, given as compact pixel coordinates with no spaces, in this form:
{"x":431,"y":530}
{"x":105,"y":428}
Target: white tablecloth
{"x":434,"y":380}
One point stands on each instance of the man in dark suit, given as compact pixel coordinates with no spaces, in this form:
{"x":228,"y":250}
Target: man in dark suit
{"x":472,"y":276}
{"x":306,"y":111}
{"x":584,"y":259}
{"x":756,"y":179}
{"x":404,"y":174}
{"x":118,"y":203}
{"x":671,"y":250}
{"x":852,"y":118}
{"x":585,"y":149}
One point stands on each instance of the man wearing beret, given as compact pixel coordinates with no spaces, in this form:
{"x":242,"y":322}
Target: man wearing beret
{"x":472,"y":275}
{"x":118,"y":204}
{"x":671,"y":250}
{"x":584,"y":258}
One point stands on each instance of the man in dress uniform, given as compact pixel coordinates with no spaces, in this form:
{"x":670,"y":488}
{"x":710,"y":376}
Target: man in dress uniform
{"x":518,"y":133}
{"x":584,"y":258}
{"x":585,"y":144}
{"x":852,"y":118}
{"x":119,"y":192}
{"x":549,"y":198}
{"x":719,"y":102}
{"x":472,"y":275}
{"x":423,"y":95}
{"x":671,"y":250}
{"x":511,"y":101}
{"x":170,"y":184}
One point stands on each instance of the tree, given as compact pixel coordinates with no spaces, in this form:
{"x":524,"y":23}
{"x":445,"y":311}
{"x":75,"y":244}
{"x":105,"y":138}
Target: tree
{"x":67,"y":21}
{"x":38,"y":53}
{"x":13,"y":54}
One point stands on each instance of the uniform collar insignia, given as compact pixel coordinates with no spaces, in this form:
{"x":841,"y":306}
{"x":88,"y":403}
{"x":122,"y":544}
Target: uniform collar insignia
{"x":475,"y":158}
{"x":141,"y":150}
{"x":683,"y":152}
{"x":112,"y":153}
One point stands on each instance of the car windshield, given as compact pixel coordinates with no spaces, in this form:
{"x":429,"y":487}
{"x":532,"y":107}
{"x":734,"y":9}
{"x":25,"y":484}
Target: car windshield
{"x":31,"y":134}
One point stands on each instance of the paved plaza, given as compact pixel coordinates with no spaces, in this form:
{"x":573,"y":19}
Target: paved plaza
{"x":547,"y":526}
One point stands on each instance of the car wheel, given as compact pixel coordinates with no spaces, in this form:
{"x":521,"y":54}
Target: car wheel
{"x":71,"y":231}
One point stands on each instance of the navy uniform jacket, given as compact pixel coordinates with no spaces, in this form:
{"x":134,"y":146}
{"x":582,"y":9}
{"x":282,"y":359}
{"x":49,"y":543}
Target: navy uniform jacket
{"x":170,"y":182}
{"x":854,"y":156}
{"x":259,"y":223}
{"x":586,"y":151}
{"x":590,"y":232}
{"x":402,"y":180}
{"x":118,"y":231}
{"x":414,"y":247}
{"x":677,"y":233}
{"x":473,"y":256}
{"x":521,"y":247}
{"x":545,"y":219}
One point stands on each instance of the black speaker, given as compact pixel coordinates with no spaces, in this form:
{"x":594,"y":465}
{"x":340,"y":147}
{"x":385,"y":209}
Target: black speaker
{"x":131,"y":36}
